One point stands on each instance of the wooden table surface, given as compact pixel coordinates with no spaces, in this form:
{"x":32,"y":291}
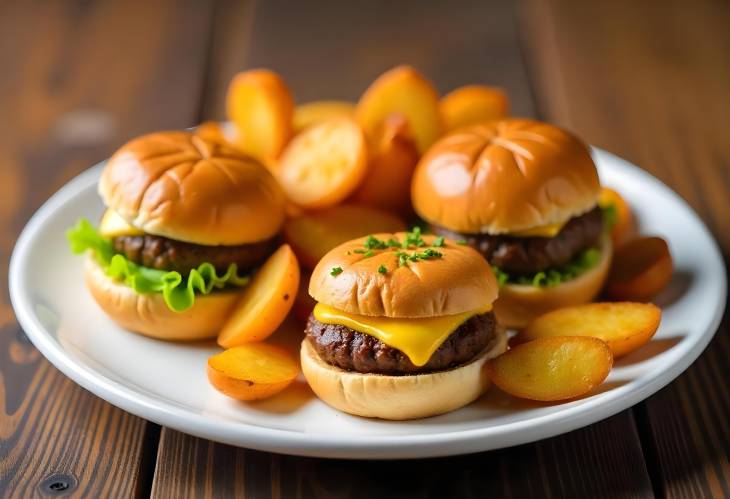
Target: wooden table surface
{"x":649,"y":81}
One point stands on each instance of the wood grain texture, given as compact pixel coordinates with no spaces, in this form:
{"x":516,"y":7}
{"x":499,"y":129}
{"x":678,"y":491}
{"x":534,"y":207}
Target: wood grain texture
{"x":79,"y":78}
{"x":595,"y":462}
{"x":649,"y":81}
{"x":333,"y":50}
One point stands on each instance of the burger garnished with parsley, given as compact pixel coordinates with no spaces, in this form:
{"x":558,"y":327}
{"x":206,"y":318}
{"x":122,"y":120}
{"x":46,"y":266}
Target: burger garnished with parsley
{"x":525,"y":195}
{"x":187,"y":220}
{"x":402,"y":327}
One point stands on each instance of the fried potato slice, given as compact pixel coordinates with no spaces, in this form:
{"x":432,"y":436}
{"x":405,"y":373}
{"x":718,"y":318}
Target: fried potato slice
{"x":265,"y":302}
{"x":311,"y":113}
{"x":393,"y":158}
{"x":324,"y":164}
{"x":313,"y":234}
{"x":624,"y":326}
{"x":641,"y":268}
{"x":552,"y":369}
{"x":624,"y":227}
{"x":472,"y":104}
{"x":252,"y":371}
{"x":261,"y":107}
{"x":402,"y":90}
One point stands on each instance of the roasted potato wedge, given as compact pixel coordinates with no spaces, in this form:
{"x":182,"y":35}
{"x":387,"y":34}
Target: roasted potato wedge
{"x":641,"y":268}
{"x":265,"y":302}
{"x":393,"y":157}
{"x":402,"y":90}
{"x":261,"y":108}
{"x":311,"y":113}
{"x":552,"y":369}
{"x":313,"y":234}
{"x":471,"y":104}
{"x":252,"y":371}
{"x":324,"y":164}
{"x":624,"y":326}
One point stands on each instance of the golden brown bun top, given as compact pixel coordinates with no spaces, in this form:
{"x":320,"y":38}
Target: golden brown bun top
{"x":186,"y":187}
{"x":460,"y":281}
{"x":505,"y":176}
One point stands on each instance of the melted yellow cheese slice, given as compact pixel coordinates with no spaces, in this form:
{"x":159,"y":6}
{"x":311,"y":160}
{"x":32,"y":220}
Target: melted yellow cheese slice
{"x":416,"y":338}
{"x":544,"y":231}
{"x":113,"y":225}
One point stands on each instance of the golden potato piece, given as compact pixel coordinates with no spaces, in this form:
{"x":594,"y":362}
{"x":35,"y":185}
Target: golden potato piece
{"x":323,"y":165}
{"x":624,"y":227}
{"x":393,"y":157}
{"x":551,"y":369}
{"x":641,"y":268}
{"x":472,"y":104}
{"x":261,"y":107}
{"x":265,"y":302}
{"x":252,"y":371}
{"x":402,"y":90}
{"x":311,"y":113}
{"x":312,"y":235}
{"x":624,"y":326}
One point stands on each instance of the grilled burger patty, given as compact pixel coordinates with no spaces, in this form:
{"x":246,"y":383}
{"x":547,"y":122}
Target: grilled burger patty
{"x":352,"y":350}
{"x":526,"y":255}
{"x":159,"y":252}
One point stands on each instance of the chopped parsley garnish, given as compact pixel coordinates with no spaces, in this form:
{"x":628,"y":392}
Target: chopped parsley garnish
{"x":413,"y":238}
{"x":335,"y":271}
{"x":462,"y":242}
{"x":373,"y":242}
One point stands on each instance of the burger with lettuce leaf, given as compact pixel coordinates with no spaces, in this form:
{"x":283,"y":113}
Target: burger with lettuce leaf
{"x":525,"y":195}
{"x":188,"y":219}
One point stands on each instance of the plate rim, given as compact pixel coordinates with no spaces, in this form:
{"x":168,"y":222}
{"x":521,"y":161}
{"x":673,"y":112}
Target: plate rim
{"x":348,"y":446}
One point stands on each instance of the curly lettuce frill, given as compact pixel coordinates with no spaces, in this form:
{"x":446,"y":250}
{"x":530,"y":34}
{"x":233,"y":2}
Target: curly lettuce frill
{"x":552,"y":277}
{"x":177,"y":290}
{"x":584,"y":262}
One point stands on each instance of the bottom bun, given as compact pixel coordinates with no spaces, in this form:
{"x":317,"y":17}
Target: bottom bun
{"x":399,"y":397}
{"x":518,"y":304}
{"x":149,"y":315}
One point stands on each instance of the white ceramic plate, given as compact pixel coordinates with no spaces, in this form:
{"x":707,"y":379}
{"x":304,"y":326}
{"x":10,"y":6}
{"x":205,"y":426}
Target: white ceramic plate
{"x":166,"y":382}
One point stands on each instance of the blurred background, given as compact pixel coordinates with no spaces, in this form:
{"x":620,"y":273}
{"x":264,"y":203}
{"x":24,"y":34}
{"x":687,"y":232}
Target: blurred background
{"x":649,"y":81}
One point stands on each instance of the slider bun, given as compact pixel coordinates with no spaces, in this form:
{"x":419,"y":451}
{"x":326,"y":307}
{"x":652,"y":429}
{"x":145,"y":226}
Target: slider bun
{"x":504,"y":176}
{"x":399,"y":397}
{"x":518,"y":304}
{"x":194,"y":189}
{"x":149,"y":315}
{"x":460,"y":281}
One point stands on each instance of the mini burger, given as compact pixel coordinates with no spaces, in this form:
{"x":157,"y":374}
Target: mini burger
{"x":525,"y":195}
{"x":402,"y":327}
{"x":187,"y":220}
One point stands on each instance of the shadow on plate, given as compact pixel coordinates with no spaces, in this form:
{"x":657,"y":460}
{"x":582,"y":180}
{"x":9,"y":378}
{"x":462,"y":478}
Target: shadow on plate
{"x":679,"y":285}
{"x":653,"y":348}
{"x":288,"y":401}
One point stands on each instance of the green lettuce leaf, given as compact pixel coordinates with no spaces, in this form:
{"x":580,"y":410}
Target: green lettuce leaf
{"x":552,"y":277}
{"x":177,"y":290}
{"x":610,"y":216}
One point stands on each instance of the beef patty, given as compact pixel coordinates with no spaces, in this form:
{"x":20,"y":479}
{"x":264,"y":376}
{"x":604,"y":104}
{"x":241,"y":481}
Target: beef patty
{"x":352,"y":350}
{"x":526,"y":255}
{"x":159,"y":252}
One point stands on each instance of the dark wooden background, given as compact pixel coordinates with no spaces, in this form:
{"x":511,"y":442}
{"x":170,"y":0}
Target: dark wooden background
{"x":647,"y":80}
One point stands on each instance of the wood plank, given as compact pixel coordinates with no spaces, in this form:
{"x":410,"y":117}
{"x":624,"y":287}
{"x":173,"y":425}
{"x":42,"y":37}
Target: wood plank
{"x":78,"y":79}
{"x":649,"y":81}
{"x":333,"y":50}
{"x":583,"y":463}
